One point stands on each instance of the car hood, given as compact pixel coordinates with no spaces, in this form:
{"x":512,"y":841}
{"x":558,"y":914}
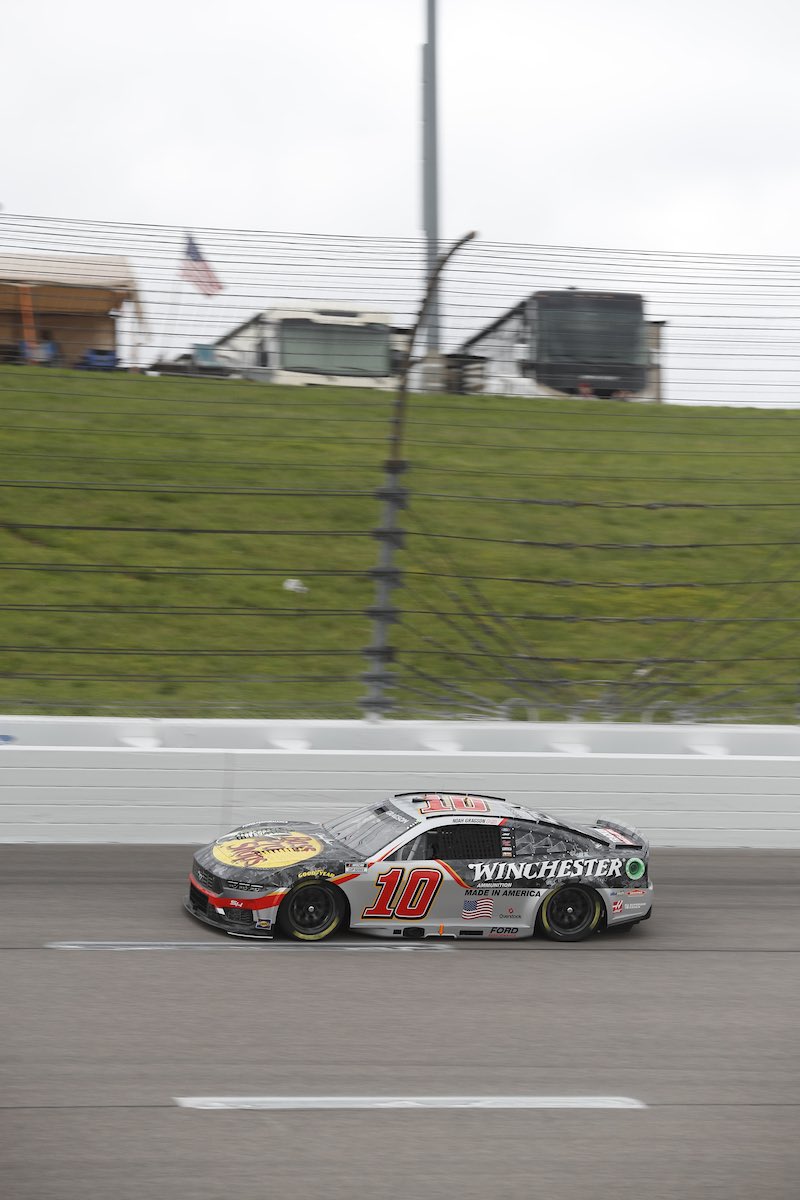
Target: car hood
{"x":274,"y":852}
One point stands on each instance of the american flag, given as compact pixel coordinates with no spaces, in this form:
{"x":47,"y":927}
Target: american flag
{"x":482,"y":906}
{"x":196,"y":270}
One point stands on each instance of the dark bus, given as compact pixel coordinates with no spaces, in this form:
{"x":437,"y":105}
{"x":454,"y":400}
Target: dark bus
{"x":569,"y":342}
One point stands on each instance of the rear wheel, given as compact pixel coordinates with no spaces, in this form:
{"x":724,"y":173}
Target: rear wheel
{"x":570,"y":913}
{"x":311,"y":911}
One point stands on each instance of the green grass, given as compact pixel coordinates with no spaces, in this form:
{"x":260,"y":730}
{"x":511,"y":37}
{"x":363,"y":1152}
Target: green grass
{"x":134,"y":433}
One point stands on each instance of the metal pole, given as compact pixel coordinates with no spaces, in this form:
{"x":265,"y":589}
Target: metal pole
{"x":28,"y":320}
{"x":658,"y":380}
{"x":430,"y":173}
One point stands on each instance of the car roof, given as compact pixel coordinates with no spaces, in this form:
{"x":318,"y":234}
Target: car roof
{"x":428,"y":805}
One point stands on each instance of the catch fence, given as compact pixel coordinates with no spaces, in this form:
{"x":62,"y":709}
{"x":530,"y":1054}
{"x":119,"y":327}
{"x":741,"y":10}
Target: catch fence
{"x":180,"y":537}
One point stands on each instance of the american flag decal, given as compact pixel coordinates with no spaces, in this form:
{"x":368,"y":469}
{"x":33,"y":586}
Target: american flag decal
{"x":481,"y":906}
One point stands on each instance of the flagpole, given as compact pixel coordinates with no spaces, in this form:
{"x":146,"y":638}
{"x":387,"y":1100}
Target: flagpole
{"x":173,"y":311}
{"x":194,"y":269}
{"x":176,"y":312}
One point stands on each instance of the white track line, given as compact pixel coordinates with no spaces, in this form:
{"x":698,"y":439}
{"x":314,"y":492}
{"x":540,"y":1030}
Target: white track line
{"x":408,"y":1102}
{"x":274,"y":948}
{"x":146,"y":946}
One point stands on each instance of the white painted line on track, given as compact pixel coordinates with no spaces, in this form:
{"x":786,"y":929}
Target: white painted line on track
{"x":408,"y":1102}
{"x":147,"y":946}
{"x":273,"y":948}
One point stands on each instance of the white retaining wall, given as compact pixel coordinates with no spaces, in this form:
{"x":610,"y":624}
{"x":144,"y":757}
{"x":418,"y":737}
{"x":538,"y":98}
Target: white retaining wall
{"x":114,"y":780}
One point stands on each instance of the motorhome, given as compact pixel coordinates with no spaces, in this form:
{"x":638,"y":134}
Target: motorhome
{"x":564,"y":343}
{"x":333,"y":345}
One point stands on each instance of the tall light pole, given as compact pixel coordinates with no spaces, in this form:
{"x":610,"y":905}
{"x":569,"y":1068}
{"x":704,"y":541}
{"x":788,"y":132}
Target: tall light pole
{"x":430,"y":174}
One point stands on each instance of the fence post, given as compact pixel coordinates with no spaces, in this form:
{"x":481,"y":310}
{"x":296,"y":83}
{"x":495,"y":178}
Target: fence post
{"x":387,"y":576}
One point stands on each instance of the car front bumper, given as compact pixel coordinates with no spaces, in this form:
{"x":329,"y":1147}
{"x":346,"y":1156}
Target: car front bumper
{"x":238,"y":920}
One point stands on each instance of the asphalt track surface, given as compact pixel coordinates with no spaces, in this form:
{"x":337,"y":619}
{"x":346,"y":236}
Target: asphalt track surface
{"x":695,"y":1014}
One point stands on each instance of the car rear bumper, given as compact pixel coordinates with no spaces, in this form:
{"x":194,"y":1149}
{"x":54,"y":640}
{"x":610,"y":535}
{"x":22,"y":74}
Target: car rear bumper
{"x":628,"y":906}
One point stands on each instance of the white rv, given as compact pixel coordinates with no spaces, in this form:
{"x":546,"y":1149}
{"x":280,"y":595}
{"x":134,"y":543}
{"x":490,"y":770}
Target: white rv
{"x":318,"y":345}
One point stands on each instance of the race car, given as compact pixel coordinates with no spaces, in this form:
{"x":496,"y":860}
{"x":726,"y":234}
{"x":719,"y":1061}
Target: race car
{"x":425,"y":864}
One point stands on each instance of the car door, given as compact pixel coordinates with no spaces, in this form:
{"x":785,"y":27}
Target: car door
{"x":492,"y":904}
{"x":425,"y":884}
{"x":400,"y":891}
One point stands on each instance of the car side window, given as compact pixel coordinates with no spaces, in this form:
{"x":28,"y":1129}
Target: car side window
{"x":413,"y":851}
{"x":465,"y":841}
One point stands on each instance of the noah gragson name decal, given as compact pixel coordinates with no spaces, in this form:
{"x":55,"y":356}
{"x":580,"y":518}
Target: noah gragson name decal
{"x":556,"y":868}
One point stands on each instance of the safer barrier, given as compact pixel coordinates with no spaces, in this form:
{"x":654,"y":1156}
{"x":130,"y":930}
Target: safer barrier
{"x":173,"y":781}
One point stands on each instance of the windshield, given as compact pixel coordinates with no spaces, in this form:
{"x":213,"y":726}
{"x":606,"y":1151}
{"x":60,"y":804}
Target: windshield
{"x":591,"y":331}
{"x":323,"y":349}
{"x":368,"y":829}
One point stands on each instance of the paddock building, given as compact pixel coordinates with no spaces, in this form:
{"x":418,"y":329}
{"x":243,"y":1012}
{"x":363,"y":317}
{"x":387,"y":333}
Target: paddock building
{"x":71,"y":301}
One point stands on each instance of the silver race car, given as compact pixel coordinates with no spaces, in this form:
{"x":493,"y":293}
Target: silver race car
{"x":425,"y":864}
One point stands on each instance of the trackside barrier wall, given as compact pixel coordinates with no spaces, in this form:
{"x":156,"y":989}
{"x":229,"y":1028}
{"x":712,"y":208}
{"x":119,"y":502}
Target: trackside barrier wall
{"x":181,"y":781}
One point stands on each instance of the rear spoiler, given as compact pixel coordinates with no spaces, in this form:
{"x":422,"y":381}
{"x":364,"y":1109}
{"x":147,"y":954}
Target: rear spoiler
{"x":629,"y":836}
{"x":422,"y":795}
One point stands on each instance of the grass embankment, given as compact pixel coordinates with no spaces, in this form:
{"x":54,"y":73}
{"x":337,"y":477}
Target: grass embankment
{"x":125,"y":451}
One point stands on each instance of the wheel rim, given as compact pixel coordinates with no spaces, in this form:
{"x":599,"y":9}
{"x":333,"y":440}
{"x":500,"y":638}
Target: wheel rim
{"x":312,"y":909}
{"x":570,"y":911}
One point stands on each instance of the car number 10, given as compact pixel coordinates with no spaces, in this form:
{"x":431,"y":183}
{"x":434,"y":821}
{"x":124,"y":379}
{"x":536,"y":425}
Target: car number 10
{"x":404,"y":895}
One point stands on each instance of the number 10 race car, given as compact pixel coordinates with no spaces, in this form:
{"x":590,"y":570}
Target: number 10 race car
{"x":425,"y":864}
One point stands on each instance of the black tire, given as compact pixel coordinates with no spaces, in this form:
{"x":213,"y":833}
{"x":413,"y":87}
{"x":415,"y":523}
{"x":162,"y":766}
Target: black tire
{"x":311,"y":911}
{"x":570,"y":913}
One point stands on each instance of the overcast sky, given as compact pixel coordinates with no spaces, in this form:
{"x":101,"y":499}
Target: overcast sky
{"x":621,"y":123}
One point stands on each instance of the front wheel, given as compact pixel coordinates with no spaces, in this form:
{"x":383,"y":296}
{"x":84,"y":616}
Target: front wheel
{"x":311,"y":911}
{"x":570,"y":913}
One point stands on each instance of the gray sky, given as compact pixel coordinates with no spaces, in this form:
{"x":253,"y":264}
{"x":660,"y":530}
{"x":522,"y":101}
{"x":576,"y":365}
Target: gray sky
{"x":620,"y":123}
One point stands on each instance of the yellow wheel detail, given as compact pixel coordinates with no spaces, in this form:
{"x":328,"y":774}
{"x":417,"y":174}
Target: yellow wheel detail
{"x":571,"y":913}
{"x":311,"y":911}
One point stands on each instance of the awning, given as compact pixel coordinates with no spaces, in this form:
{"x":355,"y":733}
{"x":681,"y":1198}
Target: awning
{"x":94,"y":283}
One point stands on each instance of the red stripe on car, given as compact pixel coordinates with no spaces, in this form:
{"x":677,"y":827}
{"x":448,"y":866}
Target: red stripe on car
{"x":452,"y":873}
{"x":269,"y":901}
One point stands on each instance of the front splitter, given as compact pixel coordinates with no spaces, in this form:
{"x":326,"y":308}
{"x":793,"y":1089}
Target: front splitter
{"x":255,"y":934}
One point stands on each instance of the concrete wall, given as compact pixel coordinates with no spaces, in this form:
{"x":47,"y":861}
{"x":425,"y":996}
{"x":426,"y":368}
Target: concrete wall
{"x":109,"y":780}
